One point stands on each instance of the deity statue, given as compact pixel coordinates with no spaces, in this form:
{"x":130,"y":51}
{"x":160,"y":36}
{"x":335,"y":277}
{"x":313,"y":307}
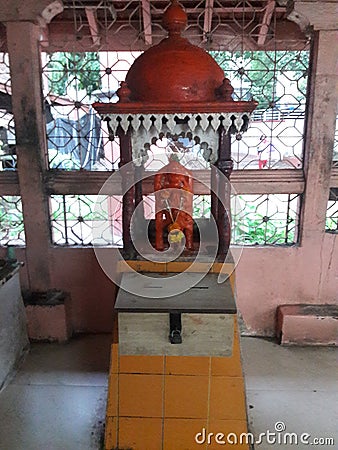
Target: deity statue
{"x":173,"y":187}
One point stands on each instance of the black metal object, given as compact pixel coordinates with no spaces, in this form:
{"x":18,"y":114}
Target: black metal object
{"x":128,"y":200}
{"x":214,"y":192}
{"x":225,"y":165}
{"x":175,"y":334}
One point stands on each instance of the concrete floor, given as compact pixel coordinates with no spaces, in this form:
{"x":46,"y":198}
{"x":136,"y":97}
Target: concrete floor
{"x":294,"y":385}
{"x":57,"y":399}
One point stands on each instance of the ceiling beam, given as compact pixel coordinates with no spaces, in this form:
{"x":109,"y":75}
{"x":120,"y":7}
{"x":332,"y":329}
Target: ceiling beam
{"x":264,"y":27}
{"x":146,"y":15}
{"x":62,"y":36}
{"x":93,"y":25}
{"x":209,"y":4}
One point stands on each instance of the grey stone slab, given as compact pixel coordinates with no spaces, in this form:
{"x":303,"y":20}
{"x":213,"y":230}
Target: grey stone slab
{"x":202,"y":334}
{"x":156,"y":292}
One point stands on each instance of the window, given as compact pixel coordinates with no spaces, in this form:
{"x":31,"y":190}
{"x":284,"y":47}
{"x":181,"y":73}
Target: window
{"x":277,"y":80}
{"x":332,"y":212}
{"x":263,"y":66}
{"x":7,"y":131}
{"x":11,"y":221}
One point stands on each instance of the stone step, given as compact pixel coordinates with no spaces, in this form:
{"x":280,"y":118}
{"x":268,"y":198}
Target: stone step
{"x":307,"y":324}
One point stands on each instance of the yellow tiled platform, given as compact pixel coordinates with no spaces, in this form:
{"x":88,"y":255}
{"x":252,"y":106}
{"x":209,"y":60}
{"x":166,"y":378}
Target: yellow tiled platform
{"x":163,"y":402}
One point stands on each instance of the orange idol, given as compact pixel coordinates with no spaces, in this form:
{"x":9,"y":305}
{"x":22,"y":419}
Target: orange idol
{"x":173,"y":202}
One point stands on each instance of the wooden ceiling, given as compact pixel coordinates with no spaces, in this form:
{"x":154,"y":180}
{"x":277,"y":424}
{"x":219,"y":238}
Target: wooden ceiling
{"x":88,"y":25}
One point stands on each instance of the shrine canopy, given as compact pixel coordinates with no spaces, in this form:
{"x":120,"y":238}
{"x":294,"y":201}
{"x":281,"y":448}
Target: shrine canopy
{"x":173,"y":88}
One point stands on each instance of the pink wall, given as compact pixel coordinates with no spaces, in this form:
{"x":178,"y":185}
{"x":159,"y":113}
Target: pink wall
{"x":266,"y":277}
{"x":76,"y":270}
{"x":92,"y":293}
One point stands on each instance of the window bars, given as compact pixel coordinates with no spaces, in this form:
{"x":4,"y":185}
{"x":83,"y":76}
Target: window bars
{"x":11,"y":221}
{"x":278,"y":81}
{"x":268,"y":219}
{"x":244,"y":37}
{"x":335,"y":146}
{"x":86,"y":64}
{"x":331,"y":225}
{"x":74,"y":217}
{"x":77,"y":139}
{"x":7,"y":131}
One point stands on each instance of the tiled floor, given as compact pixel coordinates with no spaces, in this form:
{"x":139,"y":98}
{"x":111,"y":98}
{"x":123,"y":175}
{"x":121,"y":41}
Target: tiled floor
{"x":57,"y":400}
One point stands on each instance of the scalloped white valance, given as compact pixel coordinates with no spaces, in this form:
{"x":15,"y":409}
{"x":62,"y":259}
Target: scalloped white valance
{"x":143,"y":128}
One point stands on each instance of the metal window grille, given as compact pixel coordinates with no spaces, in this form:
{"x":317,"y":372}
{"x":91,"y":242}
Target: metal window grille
{"x":201,"y":206}
{"x":335,"y":146}
{"x":77,"y":139}
{"x":11,"y":221}
{"x":7,"y":131}
{"x":332,"y":212}
{"x":278,"y":81}
{"x":74,"y":217}
{"x":244,"y":37}
{"x":76,"y":136}
{"x":268,"y":219}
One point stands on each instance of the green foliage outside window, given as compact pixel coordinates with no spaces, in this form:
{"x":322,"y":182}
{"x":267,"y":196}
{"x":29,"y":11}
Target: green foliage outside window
{"x":78,"y":70}
{"x":11,"y":219}
{"x":261,"y":71}
{"x":252,"y":228}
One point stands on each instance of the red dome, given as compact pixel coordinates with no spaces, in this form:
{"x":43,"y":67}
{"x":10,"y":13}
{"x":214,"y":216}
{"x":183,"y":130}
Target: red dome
{"x":174,"y":70}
